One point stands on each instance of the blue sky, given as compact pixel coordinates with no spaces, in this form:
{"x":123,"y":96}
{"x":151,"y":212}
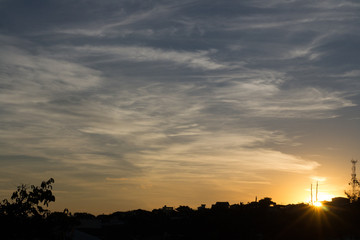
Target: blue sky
{"x":137,"y":104}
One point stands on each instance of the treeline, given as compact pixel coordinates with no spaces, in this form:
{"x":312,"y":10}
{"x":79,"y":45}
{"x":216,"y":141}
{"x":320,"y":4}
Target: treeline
{"x":25,"y":216}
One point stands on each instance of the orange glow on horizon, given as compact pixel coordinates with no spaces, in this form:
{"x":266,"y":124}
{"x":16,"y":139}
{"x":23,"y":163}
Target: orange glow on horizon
{"x":322,"y":196}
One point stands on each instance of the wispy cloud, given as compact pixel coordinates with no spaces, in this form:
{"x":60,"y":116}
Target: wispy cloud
{"x":264,"y":98}
{"x":32,"y":78}
{"x":121,"y":20}
{"x":198,"y":59}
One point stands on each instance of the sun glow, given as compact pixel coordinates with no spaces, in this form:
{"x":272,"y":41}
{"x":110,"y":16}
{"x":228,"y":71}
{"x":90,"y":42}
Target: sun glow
{"x":323,"y":196}
{"x":317,"y":204}
{"x":326,"y":197}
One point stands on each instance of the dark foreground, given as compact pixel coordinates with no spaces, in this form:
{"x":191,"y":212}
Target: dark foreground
{"x":243,"y":221}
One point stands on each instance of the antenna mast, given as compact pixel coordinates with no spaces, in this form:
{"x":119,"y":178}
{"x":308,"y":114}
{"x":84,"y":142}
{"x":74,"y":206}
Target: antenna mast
{"x":353,"y":183}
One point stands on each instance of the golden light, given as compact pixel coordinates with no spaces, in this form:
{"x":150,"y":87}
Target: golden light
{"x":317,"y":204}
{"x":322,"y":196}
{"x":325,"y":196}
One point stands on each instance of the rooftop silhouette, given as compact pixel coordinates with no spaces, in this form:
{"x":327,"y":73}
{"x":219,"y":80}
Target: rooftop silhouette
{"x":263,"y":219}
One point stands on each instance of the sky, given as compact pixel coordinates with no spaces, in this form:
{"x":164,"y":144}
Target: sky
{"x":138,"y":104}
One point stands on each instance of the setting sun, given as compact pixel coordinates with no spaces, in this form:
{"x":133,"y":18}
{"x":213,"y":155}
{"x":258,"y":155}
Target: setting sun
{"x":317,"y":204}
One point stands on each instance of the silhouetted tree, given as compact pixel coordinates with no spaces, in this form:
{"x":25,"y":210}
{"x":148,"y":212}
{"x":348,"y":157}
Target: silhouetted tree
{"x":266,"y":202}
{"x":353,"y":197}
{"x":27,"y":202}
{"x":84,"y":215}
{"x":184,"y":209}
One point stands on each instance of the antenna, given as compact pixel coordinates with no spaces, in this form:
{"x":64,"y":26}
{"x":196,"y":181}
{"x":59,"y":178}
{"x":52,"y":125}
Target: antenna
{"x":354,"y":182}
{"x":317,"y":187}
{"x":354,"y":194}
{"x":312,"y":202}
